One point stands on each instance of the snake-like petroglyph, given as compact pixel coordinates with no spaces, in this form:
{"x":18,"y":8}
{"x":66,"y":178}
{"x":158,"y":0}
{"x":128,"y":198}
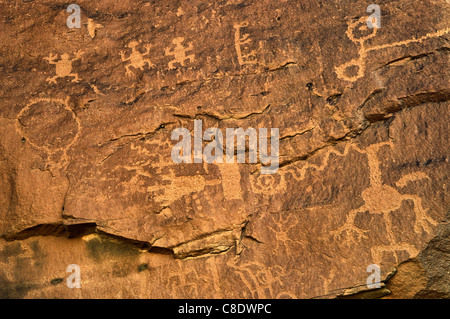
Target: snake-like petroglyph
{"x":179,"y":53}
{"x":359,"y":63}
{"x":136,"y":59}
{"x":63,"y":66}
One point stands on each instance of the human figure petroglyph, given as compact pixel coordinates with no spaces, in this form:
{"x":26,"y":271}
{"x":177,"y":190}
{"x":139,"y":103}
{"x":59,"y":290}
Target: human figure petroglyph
{"x":179,"y":53}
{"x":63,"y":66}
{"x":239,"y":42}
{"x":136,"y":59}
{"x":380,"y":198}
{"x":359,"y":63}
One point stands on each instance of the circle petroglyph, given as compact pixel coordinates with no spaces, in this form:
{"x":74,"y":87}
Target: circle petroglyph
{"x":48,"y":124}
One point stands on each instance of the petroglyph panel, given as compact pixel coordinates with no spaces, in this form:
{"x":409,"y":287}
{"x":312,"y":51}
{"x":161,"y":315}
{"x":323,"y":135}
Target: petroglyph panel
{"x":87,"y":177}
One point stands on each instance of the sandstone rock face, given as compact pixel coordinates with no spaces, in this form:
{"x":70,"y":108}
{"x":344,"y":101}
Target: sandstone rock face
{"x":87,"y":177}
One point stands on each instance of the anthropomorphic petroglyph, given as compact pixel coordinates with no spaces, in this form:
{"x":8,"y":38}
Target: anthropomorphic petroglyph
{"x":359,"y":33}
{"x":380,"y":198}
{"x":179,"y":53}
{"x":239,"y":42}
{"x":136,"y":59}
{"x":63,"y":66}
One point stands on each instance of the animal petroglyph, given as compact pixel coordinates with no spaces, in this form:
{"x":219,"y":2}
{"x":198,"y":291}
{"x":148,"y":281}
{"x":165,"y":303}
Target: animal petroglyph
{"x":63,"y":66}
{"x":136,"y":59}
{"x":359,"y":63}
{"x":239,"y":42}
{"x":179,"y":53}
{"x":92,"y":27}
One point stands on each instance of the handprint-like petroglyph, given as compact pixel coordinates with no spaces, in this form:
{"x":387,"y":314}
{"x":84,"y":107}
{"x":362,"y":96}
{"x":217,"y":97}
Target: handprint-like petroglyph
{"x":239,"y":42}
{"x":63,"y":66}
{"x":178,"y":187}
{"x":359,"y":63}
{"x":136,"y":59}
{"x":179,"y":53}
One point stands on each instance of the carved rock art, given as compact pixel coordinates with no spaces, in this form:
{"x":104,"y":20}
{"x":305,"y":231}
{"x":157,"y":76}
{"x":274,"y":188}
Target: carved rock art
{"x":87,"y":177}
{"x":179,"y":52}
{"x":63,"y":66}
{"x":384,"y":199}
{"x":45,"y":112}
{"x":358,"y":32}
{"x":244,"y":54}
{"x":136,"y":59}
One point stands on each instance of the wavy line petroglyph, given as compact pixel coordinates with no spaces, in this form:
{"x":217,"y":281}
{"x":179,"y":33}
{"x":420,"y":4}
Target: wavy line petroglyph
{"x":360,"y":62}
{"x":136,"y":59}
{"x":63,"y":66}
{"x":179,"y":53}
{"x":378,"y":198}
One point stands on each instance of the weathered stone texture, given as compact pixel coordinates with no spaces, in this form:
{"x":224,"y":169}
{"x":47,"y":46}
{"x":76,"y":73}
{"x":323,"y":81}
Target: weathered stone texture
{"x":87,"y":178}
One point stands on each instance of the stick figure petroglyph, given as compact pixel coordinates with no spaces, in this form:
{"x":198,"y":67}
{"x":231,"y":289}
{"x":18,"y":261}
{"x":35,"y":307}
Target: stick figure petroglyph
{"x":179,"y":53}
{"x":136,"y":59}
{"x":379,"y":198}
{"x":359,"y":33}
{"x":383,"y":199}
{"x":63,"y":66}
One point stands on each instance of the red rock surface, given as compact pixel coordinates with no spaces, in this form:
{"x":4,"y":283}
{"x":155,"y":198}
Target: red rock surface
{"x":87,"y":178}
